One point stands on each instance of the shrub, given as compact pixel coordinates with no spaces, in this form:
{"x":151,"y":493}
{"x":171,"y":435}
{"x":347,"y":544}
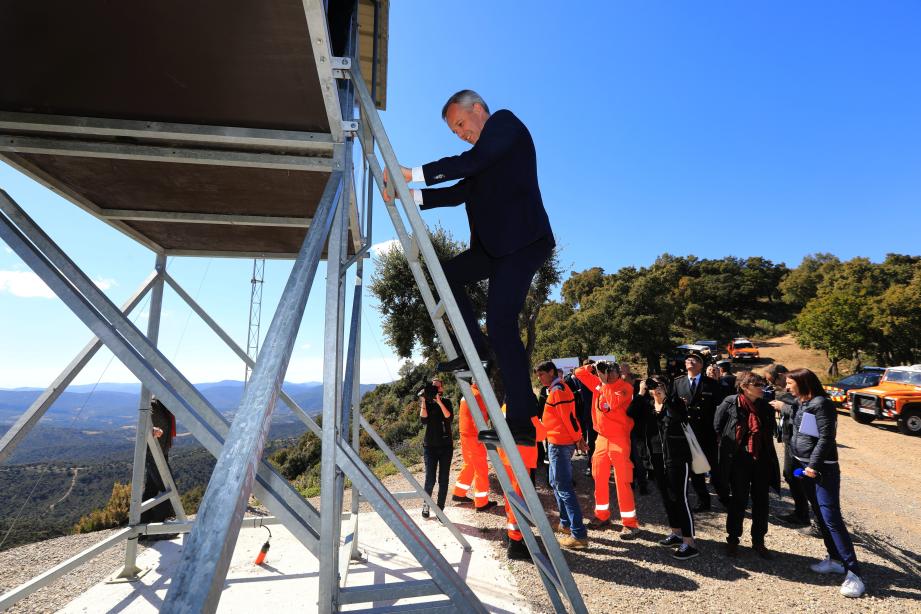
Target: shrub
{"x":114,"y":514}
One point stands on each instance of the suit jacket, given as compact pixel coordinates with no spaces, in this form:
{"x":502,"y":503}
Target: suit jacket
{"x":498,"y":183}
{"x":701,"y":408}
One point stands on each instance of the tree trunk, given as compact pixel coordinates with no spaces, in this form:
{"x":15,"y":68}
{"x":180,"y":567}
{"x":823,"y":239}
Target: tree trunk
{"x":652,"y":364}
{"x":531,"y":333}
{"x":858,"y":363}
{"x":833,"y":367}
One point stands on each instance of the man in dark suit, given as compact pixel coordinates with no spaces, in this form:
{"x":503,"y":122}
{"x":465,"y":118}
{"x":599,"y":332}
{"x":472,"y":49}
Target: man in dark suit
{"x":700,"y":394}
{"x":727,"y":379}
{"x":510,"y":238}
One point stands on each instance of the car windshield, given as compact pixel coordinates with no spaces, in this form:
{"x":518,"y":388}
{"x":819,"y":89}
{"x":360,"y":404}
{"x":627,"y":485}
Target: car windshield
{"x":743,"y":345}
{"x":852,"y":380}
{"x":904,"y":377}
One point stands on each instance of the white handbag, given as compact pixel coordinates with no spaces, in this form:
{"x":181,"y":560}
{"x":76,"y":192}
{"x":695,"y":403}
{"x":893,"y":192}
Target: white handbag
{"x":699,"y":462}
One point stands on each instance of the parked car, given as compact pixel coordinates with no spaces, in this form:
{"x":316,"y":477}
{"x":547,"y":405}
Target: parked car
{"x":864,"y":378}
{"x":896,"y":397}
{"x":712,"y":344}
{"x":742,"y":349}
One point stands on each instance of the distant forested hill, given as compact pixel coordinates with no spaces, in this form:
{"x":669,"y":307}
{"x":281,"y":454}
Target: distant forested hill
{"x":66,"y":466}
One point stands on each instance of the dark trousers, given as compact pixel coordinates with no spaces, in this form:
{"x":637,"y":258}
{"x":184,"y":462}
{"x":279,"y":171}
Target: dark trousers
{"x":672,"y":482}
{"x":585,"y":420}
{"x":707,"y":440}
{"x":639,"y":463}
{"x":748,"y":477}
{"x":153,"y":486}
{"x":824,"y":495}
{"x":438,"y":460}
{"x":509,"y":281}
{"x":592,"y":436}
{"x":800,"y":501}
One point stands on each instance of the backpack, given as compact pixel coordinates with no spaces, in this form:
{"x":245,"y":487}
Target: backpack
{"x":576,"y":387}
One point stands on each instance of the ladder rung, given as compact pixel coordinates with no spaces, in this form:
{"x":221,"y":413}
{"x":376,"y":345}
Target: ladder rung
{"x":520,"y":506}
{"x":464,"y":375}
{"x":388,"y":592}
{"x":439,"y":310}
{"x":425,"y":607}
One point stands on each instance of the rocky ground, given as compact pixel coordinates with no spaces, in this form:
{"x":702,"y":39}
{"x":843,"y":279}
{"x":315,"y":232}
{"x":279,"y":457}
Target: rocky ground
{"x":881,"y":503}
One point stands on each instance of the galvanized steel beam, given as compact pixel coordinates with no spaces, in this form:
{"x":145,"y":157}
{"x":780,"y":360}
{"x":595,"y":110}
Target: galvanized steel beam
{"x":206,"y":557}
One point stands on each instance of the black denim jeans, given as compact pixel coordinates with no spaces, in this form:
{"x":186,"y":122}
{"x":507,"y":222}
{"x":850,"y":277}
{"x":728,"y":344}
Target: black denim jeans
{"x":438,"y":459}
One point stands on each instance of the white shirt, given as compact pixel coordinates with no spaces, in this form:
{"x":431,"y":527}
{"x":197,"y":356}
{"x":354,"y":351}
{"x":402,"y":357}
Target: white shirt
{"x":418,"y":177}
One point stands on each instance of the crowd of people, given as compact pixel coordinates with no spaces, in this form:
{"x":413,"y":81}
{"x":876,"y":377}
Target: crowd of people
{"x":696,"y":426}
{"x":707,"y":429}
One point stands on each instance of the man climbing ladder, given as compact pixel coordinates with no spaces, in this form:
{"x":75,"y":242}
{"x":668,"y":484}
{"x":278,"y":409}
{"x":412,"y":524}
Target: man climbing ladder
{"x":510,"y":238}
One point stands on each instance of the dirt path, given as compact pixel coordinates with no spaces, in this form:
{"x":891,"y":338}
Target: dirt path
{"x":73,"y":481}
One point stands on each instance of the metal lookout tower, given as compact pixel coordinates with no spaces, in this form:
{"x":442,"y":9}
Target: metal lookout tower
{"x":235,"y":132}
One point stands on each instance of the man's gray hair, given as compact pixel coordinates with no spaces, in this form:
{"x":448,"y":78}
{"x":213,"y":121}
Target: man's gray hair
{"x":466,"y":99}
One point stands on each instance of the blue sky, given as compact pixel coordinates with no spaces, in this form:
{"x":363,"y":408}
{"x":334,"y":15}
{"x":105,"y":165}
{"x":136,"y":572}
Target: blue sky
{"x":775,"y":129}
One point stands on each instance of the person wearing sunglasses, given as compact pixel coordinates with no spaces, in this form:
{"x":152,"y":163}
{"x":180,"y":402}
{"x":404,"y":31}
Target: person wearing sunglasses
{"x":745,"y":424}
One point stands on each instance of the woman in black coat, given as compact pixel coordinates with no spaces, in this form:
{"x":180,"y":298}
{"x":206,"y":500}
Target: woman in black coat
{"x":745,"y":424}
{"x":670,"y":460}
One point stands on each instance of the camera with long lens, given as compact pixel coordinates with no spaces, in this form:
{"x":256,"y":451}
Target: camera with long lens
{"x":428,"y":392}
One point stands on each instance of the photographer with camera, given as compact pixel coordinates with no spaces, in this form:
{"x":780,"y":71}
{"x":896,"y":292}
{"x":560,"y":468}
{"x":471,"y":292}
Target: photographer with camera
{"x":436,"y":414}
{"x":669,"y":458}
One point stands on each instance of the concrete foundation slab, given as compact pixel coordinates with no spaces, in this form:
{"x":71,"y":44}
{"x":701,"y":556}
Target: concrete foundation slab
{"x":287,"y":580}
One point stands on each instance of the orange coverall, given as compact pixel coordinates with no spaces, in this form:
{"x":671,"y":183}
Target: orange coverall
{"x":475,"y":471}
{"x":610,"y":419}
{"x":529,"y":456}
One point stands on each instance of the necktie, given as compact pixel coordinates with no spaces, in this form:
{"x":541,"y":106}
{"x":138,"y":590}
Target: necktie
{"x":693,"y":387}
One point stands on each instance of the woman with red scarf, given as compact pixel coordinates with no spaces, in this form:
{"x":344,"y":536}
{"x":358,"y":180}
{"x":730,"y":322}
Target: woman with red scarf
{"x":745,"y":424}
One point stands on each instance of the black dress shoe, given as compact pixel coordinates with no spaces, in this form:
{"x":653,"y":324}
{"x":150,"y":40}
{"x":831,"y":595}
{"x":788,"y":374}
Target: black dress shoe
{"x":763,"y":551}
{"x":459,"y":499}
{"x":491,"y":438}
{"x":488,"y":506}
{"x":456,"y":364}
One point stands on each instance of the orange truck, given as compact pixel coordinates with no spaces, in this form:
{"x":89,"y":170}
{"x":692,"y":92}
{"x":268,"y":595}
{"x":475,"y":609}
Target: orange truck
{"x":742,"y":349}
{"x":896,"y":397}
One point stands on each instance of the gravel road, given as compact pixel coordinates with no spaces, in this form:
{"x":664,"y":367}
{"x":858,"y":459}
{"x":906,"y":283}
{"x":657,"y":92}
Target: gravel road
{"x":881,"y":503}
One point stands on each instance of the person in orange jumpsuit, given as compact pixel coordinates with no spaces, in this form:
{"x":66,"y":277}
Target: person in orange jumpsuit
{"x":516,"y":547}
{"x":588,"y":377}
{"x":613,"y":448}
{"x":475,"y":471}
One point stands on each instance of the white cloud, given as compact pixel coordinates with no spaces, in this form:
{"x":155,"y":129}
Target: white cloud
{"x":24,"y":284}
{"x":385,"y":246}
{"x":104,"y":283}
